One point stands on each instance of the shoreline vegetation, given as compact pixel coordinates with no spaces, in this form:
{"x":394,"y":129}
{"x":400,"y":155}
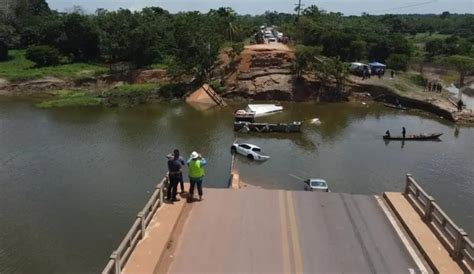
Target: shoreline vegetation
{"x":125,"y":58}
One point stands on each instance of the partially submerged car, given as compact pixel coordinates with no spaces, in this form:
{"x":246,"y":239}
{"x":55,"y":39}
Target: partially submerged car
{"x":316,"y":185}
{"x":250,"y":151}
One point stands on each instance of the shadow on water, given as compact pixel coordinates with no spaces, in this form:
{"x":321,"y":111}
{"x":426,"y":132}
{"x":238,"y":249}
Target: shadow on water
{"x":80,"y":115}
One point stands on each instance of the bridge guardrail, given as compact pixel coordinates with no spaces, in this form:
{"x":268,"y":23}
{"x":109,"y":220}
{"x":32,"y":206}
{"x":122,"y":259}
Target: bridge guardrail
{"x":454,"y":239}
{"x":231,"y":173}
{"x":120,"y":256}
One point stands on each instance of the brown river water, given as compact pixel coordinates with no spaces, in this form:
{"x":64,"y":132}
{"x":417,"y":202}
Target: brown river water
{"x":72,"y":180}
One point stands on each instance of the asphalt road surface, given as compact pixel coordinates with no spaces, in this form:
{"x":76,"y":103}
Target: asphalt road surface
{"x":274,"y":231}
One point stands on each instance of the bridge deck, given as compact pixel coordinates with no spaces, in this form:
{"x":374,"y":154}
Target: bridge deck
{"x":256,"y":231}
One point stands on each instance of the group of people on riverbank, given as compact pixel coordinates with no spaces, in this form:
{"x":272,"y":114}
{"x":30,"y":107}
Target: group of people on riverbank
{"x":195,"y":165}
{"x":433,"y":87}
{"x":366,"y":74}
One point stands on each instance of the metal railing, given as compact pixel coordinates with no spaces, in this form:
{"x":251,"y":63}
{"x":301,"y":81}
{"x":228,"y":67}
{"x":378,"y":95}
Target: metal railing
{"x":454,"y":239}
{"x":120,"y":256}
{"x":231,"y":172}
{"x":219,"y":101}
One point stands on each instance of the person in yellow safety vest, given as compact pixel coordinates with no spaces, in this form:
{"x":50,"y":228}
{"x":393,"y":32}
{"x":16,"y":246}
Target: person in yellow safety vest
{"x":196,"y":173}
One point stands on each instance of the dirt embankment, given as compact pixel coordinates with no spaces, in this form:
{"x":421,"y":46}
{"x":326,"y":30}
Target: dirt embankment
{"x":261,"y":72}
{"x":50,"y":84}
{"x":440,"y":104}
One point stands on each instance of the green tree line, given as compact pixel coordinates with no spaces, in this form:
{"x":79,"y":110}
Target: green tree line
{"x":189,"y":42}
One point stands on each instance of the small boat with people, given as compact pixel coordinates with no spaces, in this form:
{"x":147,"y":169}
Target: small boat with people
{"x":414,"y":137}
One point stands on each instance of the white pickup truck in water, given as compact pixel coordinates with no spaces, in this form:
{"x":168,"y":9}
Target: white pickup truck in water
{"x":252,"y":152}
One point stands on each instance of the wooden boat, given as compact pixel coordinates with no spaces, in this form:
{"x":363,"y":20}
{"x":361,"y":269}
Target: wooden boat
{"x":416,"y":137}
{"x":243,"y":126}
{"x":399,"y":107}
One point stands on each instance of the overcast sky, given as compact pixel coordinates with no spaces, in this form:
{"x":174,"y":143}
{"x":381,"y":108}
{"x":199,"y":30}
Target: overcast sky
{"x":347,"y":7}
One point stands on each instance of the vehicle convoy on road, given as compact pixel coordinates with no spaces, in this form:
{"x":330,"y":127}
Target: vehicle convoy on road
{"x":250,"y":151}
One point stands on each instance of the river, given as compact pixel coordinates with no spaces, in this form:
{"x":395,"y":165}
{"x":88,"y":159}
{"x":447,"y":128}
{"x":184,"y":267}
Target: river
{"x":73,"y":180}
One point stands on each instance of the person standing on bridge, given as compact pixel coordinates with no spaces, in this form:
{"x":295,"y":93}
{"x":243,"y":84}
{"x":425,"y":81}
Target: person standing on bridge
{"x":181,"y":162}
{"x":174,"y":175}
{"x":196,"y":165}
{"x":404,"y":131}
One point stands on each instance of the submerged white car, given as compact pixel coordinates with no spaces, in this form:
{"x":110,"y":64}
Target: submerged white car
{"x":316,"y":185}
{"x":250,"y":151}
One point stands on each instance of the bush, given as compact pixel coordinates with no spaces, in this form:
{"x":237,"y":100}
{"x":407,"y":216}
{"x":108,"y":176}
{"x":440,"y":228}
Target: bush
{"x":43,"y":56}
{"x":398,"y":61}
{"x":3,"y":51}
{"x":419,"y":80}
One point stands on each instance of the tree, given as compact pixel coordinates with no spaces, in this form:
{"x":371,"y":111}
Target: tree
{"x":332,"y":69}
{"x":140,"y":38}
{"x":463,"y":64}
{"x":225,"y":22}
{"x":80,"y":38}
{"x":3,"y":51}
{"x":43,"y":56}
{"x":398,"y":61}
{"x":434,"y":47}
{"x":336,"y":44}
{"x":9,"y":36}
{"x":380,"y":50}
{"x":235,"y":50}
{"x":357,"y":50}
{"x":42,"y":30}
{"x":304,"y":58}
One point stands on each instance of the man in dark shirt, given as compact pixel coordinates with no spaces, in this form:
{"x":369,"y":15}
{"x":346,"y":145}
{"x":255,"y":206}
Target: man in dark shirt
{"x":175,"y":175}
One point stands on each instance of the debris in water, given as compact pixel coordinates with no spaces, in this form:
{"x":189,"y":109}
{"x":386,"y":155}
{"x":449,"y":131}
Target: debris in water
{"x":315,"y":121}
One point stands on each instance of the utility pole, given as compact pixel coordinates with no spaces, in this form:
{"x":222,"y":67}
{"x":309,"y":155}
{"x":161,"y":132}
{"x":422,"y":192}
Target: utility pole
{"x":298,"y":8}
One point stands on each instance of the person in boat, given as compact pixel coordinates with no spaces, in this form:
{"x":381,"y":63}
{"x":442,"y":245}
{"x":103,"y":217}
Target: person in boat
{"x":403,"y":132}
{"x":387,"y":133}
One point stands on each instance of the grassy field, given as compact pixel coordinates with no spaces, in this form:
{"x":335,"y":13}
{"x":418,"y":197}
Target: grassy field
{"x":404,"y":83}
{"x":419,"y":41}
{"x":85,"y":98}
{"x":18,"y":68}
{"x":72,"y":98}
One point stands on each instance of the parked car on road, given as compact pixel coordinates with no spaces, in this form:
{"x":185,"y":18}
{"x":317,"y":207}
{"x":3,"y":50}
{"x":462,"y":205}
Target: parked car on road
{"x":250,"y":151}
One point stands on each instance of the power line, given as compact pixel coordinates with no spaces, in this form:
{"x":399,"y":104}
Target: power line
{"x":407,"y":6}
